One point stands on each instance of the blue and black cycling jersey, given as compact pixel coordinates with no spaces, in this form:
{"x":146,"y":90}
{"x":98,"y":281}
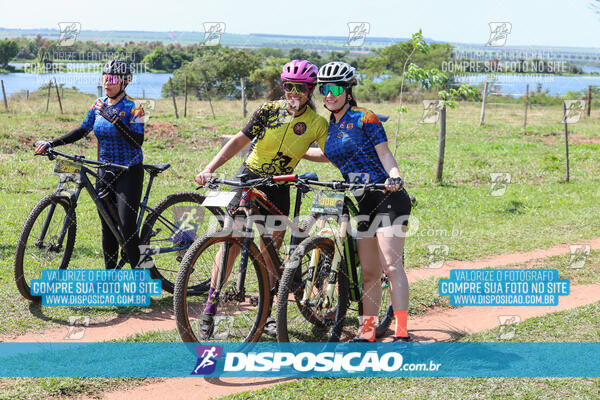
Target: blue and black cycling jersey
{"x":112,"y":145}
{"x":351,"y":144}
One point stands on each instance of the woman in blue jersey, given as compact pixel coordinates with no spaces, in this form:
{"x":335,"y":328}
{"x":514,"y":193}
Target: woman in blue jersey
{"x":119,"y":127}
{"x":357,"y":144}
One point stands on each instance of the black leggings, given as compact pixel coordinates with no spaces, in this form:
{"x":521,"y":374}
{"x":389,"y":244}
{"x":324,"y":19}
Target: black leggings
{"x":121,"y":192}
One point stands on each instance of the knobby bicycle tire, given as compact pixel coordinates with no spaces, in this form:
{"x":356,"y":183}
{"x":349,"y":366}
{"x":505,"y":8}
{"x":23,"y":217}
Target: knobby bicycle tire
{"x":321,"y":326}
{"x":241,"y":322}
{"x":44,"y":257}
{"x":166,"y":265}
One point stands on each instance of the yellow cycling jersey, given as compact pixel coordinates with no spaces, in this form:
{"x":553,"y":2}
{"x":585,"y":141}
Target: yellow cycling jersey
{"x":280,"y":139}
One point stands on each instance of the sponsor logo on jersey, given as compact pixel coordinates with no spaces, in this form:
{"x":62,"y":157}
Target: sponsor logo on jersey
{"x":299,"y":128}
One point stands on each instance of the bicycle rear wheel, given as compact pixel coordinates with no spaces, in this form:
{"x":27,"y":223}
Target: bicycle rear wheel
{"x":38,"y":247}
{"x":175,"y":223}
{"x":315,"y":319}
{"x":386,"y":311}
{"x":240,"y":316}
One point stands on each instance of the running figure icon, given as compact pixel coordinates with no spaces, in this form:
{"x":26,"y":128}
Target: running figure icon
{"x":207,"y":356}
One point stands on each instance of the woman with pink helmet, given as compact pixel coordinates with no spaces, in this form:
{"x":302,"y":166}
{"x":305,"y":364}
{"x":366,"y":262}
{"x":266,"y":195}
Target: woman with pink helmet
{"x":281,"y":132}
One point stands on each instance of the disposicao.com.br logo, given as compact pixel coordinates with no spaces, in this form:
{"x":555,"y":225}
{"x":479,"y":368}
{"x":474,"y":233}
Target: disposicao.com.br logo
{"x":371,"y":361}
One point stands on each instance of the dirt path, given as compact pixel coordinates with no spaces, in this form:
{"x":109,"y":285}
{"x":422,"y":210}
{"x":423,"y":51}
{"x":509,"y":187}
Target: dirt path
{"x":439,"y":325}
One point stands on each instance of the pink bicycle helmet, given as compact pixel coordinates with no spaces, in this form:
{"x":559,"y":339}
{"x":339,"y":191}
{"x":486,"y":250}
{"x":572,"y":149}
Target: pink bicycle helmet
{"x":300,"y":71}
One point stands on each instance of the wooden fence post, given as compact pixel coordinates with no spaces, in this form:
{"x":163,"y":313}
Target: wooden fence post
{"x":186,"y":92}
{"x":58,"y":95}
{"x":48,"y":97}
{"x":485,"y":91}
{"x":526,"y":106}
{"x":566,"y":138}
{"x":243,"y":85}
{"x":4,"y":96}
{"x":209,"y":100}
{"x":589,"y":101}
{"x":442,"y":146}
{"x":173,"y":96}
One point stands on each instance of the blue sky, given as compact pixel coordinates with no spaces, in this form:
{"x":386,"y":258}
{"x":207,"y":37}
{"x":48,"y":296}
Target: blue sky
{"x":534,"y":22}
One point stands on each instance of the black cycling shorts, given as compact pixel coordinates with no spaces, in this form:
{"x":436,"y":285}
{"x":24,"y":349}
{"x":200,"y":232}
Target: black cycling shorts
{"x":278,"y":195}
{"x":377,"y":209}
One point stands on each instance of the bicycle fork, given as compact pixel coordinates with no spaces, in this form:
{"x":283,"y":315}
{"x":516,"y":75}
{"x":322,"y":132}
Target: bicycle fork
{"x":63,"y":232}
{"x":241,"y":289}
{"x":332,"y":278}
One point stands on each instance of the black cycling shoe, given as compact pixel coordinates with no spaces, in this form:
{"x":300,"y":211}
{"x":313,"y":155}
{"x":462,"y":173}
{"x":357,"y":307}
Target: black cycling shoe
{"x":270,"y":327}
{"x":401,"y":338}
{"x":358,"y":339}
{"x":207,"y":326}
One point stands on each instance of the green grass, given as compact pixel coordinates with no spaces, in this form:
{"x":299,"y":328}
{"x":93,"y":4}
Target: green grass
{"x":64,"y":388}
{"x":429,"y":388}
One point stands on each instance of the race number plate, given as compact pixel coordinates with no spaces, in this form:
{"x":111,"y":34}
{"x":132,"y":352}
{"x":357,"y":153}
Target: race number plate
{"x":67,"y":167}
{"x":218,"y":199}
{"x":328,"y":202}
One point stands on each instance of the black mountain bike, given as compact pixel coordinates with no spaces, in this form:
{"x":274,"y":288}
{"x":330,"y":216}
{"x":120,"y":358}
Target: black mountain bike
{"x":47,"y":239}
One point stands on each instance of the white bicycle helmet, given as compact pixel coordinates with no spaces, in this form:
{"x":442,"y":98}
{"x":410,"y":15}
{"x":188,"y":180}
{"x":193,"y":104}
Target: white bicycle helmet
{"x":337,"y":72}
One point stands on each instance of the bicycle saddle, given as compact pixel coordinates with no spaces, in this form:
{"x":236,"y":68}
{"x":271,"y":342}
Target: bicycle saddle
{"x":156,"y":168}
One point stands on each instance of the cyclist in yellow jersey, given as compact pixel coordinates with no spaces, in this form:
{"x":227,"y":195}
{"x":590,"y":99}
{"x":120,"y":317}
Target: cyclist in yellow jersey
{"x":281,"y":138}
{"x":281,"y":133}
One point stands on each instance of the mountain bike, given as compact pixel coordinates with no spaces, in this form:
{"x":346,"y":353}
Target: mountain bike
{"x":47,"y":239}
{"x":243,"y":290}
{"x":333,"y":281}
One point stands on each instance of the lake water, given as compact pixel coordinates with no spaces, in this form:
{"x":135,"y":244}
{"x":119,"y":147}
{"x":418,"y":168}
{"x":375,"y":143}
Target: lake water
{"x":149,"y":85}
{"x":515,"y":85}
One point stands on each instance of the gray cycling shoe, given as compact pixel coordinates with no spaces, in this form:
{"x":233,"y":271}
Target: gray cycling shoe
{"x":270,"y":327}
{"x":207,"y":326}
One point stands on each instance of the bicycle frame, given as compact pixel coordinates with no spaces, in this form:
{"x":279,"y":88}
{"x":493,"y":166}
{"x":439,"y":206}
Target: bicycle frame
{"x":106,"y":213}
{"x":348,"y":244}
{"x":251,"y":203}
{"x":83,"y":182}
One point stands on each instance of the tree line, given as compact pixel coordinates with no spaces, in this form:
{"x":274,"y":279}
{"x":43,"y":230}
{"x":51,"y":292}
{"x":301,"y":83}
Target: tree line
{"x":216,"y":71}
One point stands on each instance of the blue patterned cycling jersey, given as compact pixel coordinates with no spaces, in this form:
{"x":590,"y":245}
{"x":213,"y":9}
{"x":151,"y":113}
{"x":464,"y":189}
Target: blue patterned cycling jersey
{"x":351,"y":144}
{"x":111,"y":144}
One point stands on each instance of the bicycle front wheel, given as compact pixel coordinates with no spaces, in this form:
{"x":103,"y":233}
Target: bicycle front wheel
{"x":171,"y":229}
{"x":241,"y":312}
{"x":316,"y":316}
{"x":46,"y":241}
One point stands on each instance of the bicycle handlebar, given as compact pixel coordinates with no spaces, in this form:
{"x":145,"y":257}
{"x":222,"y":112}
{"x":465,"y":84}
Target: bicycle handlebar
{"x":51,"y":154}
{"x":299,"y":180}
{"x":342,"y":186}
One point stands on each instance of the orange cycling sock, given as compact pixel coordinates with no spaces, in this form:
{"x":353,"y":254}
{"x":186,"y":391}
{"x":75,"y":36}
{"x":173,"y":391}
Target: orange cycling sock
{"x":401,"y":322}
{"x":368,"y":327}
